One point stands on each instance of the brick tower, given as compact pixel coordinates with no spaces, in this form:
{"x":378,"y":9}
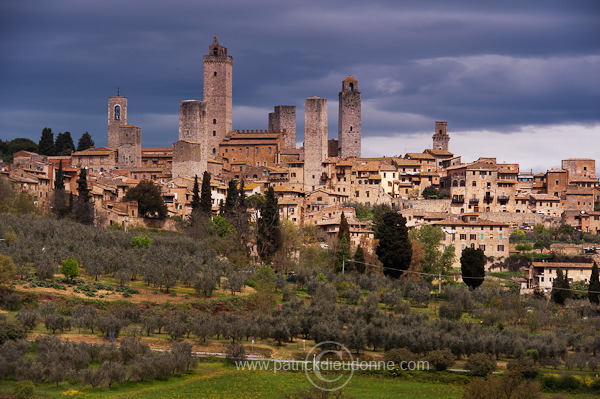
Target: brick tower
{"x":349,"y":120}
{"x":218,"y":67}
{"x":441,"y":137}
{"x":117,"y":117}
{"x":315,"y":141}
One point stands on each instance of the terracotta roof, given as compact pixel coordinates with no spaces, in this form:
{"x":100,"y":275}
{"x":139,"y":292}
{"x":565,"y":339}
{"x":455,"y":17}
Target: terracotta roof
{"x":416,"y":155}
{"x":544,"y":197}
{"x":565,"y":265}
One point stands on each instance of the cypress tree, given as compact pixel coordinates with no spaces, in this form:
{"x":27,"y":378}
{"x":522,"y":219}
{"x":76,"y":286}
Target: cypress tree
{"x":594,"y":287}
{"x":343,"y":246}
{"x":205,"y":194}
{"x":195,"y":195}
{"x":59,"y":182}
{"x":85,"y":142}
{"x":46,"y":143}
{"x":269,"y":239}
{"x":560,"y":287}
{"x":472,"y":267}
{"x":359,"y":260}
{"x":231,"y":200}
{"x":82,"y":186}
{"x":394,"y":249}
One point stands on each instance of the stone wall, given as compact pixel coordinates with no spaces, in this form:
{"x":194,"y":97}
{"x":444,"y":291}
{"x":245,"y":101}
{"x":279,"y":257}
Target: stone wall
{"x":188,"y":160}
{"x":129,"y":147}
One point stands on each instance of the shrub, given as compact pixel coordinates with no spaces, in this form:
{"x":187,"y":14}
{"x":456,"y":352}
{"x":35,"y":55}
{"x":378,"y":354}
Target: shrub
{"x":24,"y":389}
{"x":480,"y":364}
{"x":141,"y":242}
{"x":441,"y":359}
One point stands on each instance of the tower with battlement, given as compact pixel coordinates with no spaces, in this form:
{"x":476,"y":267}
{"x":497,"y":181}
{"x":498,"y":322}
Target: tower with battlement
{"x":315,"y":141}
{"x":283,"y":118}
{"x":117,"y":117}
{"x":349,"y":119}
{"x":218,"y":69}
{"x":441,"y":137}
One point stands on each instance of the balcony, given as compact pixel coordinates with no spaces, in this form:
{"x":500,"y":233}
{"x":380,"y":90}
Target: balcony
{"x":474,"y":201}
{"x":488,"y":198}
{"x":503,"y":199}
{"x":458,"y":199}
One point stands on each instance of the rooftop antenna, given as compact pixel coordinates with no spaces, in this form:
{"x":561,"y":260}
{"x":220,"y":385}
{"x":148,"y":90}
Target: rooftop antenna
{"x":118,"y":91}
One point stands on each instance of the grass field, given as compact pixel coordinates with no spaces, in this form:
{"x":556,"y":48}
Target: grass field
{"x":219,"y":380}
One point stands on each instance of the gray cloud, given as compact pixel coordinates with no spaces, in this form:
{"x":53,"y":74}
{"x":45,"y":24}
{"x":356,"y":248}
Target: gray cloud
{"x":483,"y":66}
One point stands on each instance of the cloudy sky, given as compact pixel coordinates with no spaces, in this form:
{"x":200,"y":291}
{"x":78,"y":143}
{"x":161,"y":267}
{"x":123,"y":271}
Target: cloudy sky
{"x":519,"y":80}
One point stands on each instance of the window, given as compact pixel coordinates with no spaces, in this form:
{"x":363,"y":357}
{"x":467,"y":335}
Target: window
{"x":482,"y":247}
{"x":474,"y":183}
{"x":215,"y":73}
{"x":117,"y":112}
{"x":463,"y":236}
{"x":472,"y":236}
{"x":214,"y":121}
{"x":500,"y":237}
{"x":500,"y":248}
{"x":481,"y":236}
{"x":214,"y":133}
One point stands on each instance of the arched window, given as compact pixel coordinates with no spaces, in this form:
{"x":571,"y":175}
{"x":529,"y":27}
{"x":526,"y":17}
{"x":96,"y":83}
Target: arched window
{"x":462,"y":183}
{"x":454,"y":183}
{"x":117,"y":112}
{"x":351,"y":86}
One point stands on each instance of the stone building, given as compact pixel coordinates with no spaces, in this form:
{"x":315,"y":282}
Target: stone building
{"x":117,"y":117}
{"x":97,"y":160}
{"x":218,"y":94}
{"x":315,"y":141}
{"x":349,"y":119}
{"x":250,"y":147}
{"x":125,"y":138}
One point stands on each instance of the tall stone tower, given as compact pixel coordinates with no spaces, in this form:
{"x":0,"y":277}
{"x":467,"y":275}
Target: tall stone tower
{"x":117,"y":117}
{"x":284,"y":118}
{"x":441,"y":137}
{"x":349,"y":120}
{"x":129,"y":147}
{"x":218,"y":67}
{"x":190,"y":155}
{"x":315,"y":140}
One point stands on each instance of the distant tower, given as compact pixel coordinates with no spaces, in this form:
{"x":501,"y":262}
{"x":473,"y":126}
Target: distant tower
{"x":441,"y":137}
{"x":349,"y":120}
{"x":284,"y":118}
{"x":129,"y":147}
{"x":218,"y":68}
{"x":190,"y":152}
{"x":315,"y":140}
{"x":117,"y":117}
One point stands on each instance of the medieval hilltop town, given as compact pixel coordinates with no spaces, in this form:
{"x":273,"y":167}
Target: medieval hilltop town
{"x":316,"y":183}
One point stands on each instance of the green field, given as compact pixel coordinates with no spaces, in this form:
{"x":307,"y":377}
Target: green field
{"x":219,"y":380}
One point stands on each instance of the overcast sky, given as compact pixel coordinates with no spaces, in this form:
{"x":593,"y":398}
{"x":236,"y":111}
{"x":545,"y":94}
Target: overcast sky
{"x":515,"y":79}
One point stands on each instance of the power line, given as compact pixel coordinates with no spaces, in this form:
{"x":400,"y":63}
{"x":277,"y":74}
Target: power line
{"x":478,"y":278}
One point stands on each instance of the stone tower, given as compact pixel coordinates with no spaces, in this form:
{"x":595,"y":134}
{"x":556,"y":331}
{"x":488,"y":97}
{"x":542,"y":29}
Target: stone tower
{"x":218,"y":67}
{"x":117,"y":117}
{"x":441,"y":137}
{"x":315,"y":141}
{"x":284,"y":118}
{"x":129,"y":147}
{"x":349,"y":120}
{"x":190,"y":156}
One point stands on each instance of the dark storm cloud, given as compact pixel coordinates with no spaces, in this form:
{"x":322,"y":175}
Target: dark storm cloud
{"x":479,"y":65}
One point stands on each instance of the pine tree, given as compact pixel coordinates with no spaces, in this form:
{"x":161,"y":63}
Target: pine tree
{"x":205,"y":194}
{"x":394,"y":249}
{"x":64,"y":144}
{"x":46,"y":143}
{"x":269,"y":239}
{"x":472,"y":267}
{"x":594,"y":287}
{"x":359,"y":260}
{"x":195,"y":195}
{"x":343,"y":245}
{"x":560,"y":287}
{"x":85,"y":142}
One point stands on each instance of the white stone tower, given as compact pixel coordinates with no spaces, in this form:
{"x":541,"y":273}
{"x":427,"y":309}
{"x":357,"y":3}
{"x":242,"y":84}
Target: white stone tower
{"x":218,"y":68}
{"x":349,"y":120}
